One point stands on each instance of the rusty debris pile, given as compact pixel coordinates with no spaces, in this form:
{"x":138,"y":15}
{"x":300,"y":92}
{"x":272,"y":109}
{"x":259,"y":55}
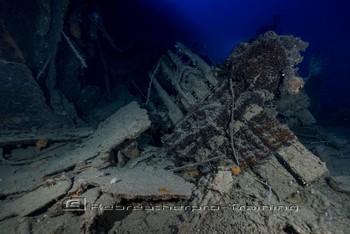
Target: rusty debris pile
{"x":230,"y":113}
{"x":226,"y":142}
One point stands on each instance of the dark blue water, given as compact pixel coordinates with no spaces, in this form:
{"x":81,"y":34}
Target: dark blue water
{"x":213,"y":27}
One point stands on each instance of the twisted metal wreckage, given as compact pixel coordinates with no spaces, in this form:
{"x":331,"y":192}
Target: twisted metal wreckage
{"x":214,"y":122}
{"x":229,"y":114}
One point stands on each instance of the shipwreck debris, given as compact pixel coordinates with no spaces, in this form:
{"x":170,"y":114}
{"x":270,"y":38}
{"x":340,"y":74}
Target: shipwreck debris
{"x":223,"y":135}
{"x":237,"y":118}
{"x":127,"y":123}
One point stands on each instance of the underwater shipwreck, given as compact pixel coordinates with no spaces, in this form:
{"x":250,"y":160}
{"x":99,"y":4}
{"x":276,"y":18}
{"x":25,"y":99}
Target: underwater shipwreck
{"x":209,"y":148}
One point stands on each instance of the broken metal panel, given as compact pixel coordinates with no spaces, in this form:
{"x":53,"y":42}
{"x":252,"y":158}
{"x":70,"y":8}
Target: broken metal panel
{"x":126,"y":124}
{"x":35,"y":200}
{"x":144,"y":183}
{"x":302,"y":163}
{"x":284,"y":184}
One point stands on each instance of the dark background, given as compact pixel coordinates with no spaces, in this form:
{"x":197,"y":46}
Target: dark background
{"x":213,"y":27}
{"x":126,"y":43}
